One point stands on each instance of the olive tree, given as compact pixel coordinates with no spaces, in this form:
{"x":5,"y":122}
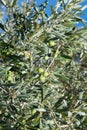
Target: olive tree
{"x":43,"y":66}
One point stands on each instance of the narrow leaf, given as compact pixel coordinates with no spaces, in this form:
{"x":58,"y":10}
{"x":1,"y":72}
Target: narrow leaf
{"x":14,"y":3}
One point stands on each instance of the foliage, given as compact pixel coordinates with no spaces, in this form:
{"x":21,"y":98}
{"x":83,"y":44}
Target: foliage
{"x":43,"y":67}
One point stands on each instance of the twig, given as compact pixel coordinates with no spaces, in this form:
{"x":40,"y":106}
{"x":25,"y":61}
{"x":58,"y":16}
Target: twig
{"x":53,"y":57}
{"x":52,"y":114}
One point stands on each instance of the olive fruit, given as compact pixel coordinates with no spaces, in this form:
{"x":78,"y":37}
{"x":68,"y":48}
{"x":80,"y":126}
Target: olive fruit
{"x":46,"y":58}
{"x":45,"y":74}
{"x":40,"y":70}
{"x":52,"y":43}
{"x":27,"y":55}
{"x":42,"y":78}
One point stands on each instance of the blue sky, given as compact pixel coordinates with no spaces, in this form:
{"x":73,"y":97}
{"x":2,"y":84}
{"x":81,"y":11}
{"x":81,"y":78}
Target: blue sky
{"x":53,"y":3}
{"x":50,"y":2}
{"x":85,"y":11}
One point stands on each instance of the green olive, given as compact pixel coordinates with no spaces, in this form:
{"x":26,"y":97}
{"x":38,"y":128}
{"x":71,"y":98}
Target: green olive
{"x":42,"y":78}
{"x":40,"y":70}
{"x":45,"y":74}
{"x":46,"y":57}
{"x":55,"y":55}
{"x":52,"y":43}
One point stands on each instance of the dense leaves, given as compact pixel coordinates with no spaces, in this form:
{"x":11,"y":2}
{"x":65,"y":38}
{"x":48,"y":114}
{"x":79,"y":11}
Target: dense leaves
{"x":43,"y":67}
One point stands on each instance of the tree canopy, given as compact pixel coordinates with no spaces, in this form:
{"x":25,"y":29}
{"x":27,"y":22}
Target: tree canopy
{"x":43,"y":66}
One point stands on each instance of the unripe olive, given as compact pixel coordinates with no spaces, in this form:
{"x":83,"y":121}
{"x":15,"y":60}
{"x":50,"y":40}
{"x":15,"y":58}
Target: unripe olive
{"x":52,"y":43}
{"x":42,"y":78}
{"x":45,"y":74}
{"x":24,"y":121}
{"x":10,"y":76}
{"x":55,"y":55}
{"x":40,"y":70}
{"x":46,"y":57}
{"x":27,"y":55}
